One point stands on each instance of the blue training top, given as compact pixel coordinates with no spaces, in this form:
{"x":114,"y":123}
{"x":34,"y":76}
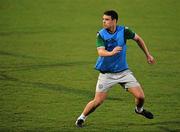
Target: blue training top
{"x":117,"y":62}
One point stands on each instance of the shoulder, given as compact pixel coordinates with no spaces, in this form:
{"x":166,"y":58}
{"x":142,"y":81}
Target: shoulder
{"x":98,"y":35}
{"x":127,"y":29}
{"x":129,"y":34}
{"x":99,"y":41}
{"x":120,"y":27}
{"x":102,"y":31}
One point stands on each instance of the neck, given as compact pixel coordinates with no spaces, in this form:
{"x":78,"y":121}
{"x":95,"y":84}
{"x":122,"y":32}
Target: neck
{"x":112,"y":29}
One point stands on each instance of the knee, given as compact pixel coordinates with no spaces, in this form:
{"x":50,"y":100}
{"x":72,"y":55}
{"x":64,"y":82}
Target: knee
{"x":140,"y":97}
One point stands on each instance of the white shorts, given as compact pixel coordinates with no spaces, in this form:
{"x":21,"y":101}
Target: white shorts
{"x":124,"y":78}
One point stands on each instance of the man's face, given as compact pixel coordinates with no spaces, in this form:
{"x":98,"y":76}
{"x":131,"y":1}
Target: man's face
{"x":108,"y":22}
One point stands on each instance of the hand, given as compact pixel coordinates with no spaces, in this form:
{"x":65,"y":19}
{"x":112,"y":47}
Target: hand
{"x":116,"y":50}
{"x":150,"y":59}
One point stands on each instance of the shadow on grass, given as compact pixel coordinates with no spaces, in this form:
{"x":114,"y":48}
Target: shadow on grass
{"x":161,"y":125}
{"x":155,"y":123}
{"x":4,"y":53}
{"x":20,"y":67}
{"x":40,"y":66}
{"x":9,"y":33}
{"x":55,"y":87}
{"x":166,"y":129}
{"x":166,"y":126}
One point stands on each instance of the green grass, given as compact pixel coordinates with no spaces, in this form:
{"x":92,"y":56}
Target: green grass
{"x":47,"y":55}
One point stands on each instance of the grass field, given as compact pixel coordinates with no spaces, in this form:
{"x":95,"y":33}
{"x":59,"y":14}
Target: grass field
{"x":47,"y":57}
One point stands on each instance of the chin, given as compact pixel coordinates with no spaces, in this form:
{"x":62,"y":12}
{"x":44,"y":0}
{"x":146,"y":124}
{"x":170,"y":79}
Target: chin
{"x":104,"y":26}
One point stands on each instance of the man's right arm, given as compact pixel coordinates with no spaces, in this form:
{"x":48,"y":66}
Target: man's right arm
{"x":101,"y":48}
{"x":103,"y":52}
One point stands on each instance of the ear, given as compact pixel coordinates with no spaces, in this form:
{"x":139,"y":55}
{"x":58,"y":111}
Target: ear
{"x":115,"y":21}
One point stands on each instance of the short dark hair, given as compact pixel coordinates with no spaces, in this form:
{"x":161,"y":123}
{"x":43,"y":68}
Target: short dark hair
{"x":111,"y":13}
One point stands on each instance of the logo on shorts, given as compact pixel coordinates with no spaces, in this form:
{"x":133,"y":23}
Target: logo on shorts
{"x":100,"y":86}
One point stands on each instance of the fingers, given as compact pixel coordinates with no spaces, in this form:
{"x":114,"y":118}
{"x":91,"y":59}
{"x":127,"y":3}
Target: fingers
{"x":151,"y":62}
{"x":150,"y":59}
{"x":117,"y":50}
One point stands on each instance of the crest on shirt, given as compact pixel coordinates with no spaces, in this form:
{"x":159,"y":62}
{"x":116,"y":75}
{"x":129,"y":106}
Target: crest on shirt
{"x":100,"y":86}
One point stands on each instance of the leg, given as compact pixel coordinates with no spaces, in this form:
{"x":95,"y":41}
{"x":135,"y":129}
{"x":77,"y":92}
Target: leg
{"x":139,"y":100}
{"x":104,"y":83}
{"x":91,"y":106}
{"x":138,"y":93}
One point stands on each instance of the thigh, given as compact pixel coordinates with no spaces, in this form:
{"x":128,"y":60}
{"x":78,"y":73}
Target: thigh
{"x":136,"y":91}
{"x":128,"y":80}
{"x":104,"y":83}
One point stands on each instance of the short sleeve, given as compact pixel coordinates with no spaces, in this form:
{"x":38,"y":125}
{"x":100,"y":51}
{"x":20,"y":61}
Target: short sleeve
{"x":99,"y":41}
{"x":129,"y":34}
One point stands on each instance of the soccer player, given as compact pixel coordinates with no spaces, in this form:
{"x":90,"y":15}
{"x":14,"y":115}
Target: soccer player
{"x":112,"y":65}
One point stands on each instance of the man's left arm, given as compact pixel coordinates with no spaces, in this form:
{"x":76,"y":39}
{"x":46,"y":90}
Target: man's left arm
{"x":142,"y":45}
